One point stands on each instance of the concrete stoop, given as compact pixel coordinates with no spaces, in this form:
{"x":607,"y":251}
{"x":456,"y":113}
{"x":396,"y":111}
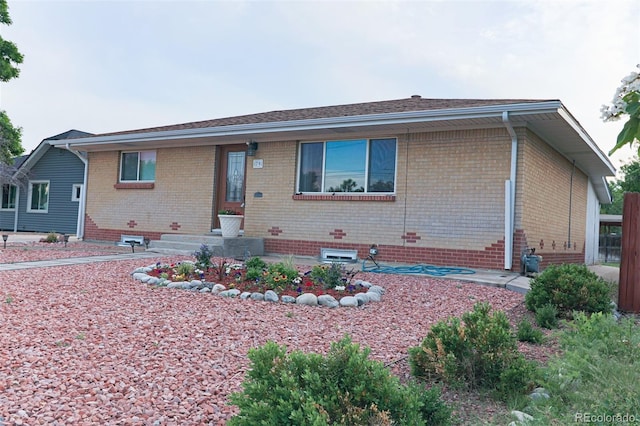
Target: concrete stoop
{"x":236,"y":248}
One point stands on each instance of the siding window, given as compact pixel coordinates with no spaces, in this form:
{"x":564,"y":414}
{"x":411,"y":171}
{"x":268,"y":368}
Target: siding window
{"x":138,"y":166}
{"x":361,"y":165}
{"x":8,"y":197}
{"x":76,"y":192}
{"x":38,"y":197}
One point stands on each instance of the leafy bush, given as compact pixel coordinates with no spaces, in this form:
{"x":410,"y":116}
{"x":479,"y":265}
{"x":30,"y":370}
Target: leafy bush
{"x":331,"y":276}
{"x":51,"y":237}
{"x":343,"y":388}
{"x":185,"y":268}
{"x":255,"y":263}
{"x":203,"y":257}
{"x":474,"y":353}
{"x":597,"y":372}
{"x":547,"y":316}
{"x":526,"y":333}
{"x":570,"y":288}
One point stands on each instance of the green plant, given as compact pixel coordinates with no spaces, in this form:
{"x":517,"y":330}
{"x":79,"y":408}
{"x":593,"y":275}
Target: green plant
{"x":343,"y":388}
{"x":203,"y":256}
{"x":229,"y":212}
{"x":185,"y":268}
{"x":569,"y":288}
{"x":597,"y":373}
{"x":547,"y":316}
{"x":474,"y":352}
{"x":332,"y":275}
{"x":526,"y":332}
{"x":255,"y":263}
{"x":51,"y":237}
{"x":8,"y":299}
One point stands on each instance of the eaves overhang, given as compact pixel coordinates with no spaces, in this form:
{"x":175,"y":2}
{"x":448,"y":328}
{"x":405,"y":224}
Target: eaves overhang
{"x":549,"y":119}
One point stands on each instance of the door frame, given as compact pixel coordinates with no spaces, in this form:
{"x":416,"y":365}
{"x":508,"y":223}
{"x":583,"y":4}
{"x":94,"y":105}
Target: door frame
{"x":221,"y":182}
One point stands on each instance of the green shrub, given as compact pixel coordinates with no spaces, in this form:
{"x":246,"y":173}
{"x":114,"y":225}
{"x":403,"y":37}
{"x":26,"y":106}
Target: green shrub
{"x":255,"y":263}
{"x":203,"y":257}
{"x":570,"y":288}
{"x":185,"y":268}
{"x":474,"y":352}
{"x":526,"y":333}
{"x":51,"y":237}
{"x":343,"y":388}
{"x":597,"y":372}
{"x":547,"y":316}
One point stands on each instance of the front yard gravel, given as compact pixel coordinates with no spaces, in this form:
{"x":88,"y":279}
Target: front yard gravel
{"x":89,"y":345}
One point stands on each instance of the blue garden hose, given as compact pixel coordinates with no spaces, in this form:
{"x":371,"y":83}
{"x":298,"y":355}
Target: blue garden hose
{"x":436,"y":271}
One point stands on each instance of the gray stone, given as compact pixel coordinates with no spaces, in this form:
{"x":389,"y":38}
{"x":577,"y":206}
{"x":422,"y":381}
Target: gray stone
{"x":307,"y":299}
{"x":539,"y":393}
{"x":288,"y":299}
{"x":230,"y":293}
{"x":245,"y":295}
{"x":196,"y":283}
{"x":522,"y":417}
{"x":349,"y":301}
{"x":205,"y":290}
{"x":174,"y":285}
{"x":365,"y":284}
{"x":362,"y":298}
{"x":139,"y":275}
{"x":328,"y":300}
{"x":257,"y":296}
{"x":373,"y":296}
{"x":376,"y":289}
{"x":270,"y":296}
{"x":217,"y":288}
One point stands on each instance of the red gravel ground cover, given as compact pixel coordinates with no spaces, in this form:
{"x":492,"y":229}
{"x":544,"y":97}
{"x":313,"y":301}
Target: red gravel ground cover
{"x":89,"y":345}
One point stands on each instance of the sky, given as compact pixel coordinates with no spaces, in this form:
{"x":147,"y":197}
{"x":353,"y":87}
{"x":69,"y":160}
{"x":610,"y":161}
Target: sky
{"x":103,"y":66}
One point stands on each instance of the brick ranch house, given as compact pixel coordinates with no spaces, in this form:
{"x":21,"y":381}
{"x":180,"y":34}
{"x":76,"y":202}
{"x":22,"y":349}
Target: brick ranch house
{"x":440,"y":181}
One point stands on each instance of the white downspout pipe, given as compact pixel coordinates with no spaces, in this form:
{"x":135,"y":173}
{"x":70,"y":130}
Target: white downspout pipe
{"x":83,"y":192}
{"x":510,"y":196}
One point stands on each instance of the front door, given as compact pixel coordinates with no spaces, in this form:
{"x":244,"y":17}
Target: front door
{"x":231,"y":179}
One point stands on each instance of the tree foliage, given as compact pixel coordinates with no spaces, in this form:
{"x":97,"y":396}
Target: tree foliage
{"x":630,"y":182}
{"x":626,"y":101}
{"x":10,"y":58}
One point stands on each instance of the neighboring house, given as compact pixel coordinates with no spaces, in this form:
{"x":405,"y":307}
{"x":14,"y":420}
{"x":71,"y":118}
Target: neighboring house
{"x":48,"y":189}
{"x":440,"y":181}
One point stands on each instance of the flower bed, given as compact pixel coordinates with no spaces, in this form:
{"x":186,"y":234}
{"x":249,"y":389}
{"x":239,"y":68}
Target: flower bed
{"x":255,"y":276}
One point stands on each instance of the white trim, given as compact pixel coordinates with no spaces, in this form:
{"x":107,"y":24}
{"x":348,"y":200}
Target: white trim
{"x":137,"y":180}
{"x":76,"y":192}
{"x":15,"y":202}
{"x":30,"y":194}
{"x":333,"y":122}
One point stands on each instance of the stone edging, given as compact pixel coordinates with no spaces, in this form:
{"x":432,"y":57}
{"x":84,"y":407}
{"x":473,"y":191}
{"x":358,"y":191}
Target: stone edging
{"x":373,"y":294}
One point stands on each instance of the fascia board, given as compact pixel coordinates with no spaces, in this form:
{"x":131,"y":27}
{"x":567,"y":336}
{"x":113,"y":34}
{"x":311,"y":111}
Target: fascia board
{"x":490,"y":111}
{"x":568,"y":118}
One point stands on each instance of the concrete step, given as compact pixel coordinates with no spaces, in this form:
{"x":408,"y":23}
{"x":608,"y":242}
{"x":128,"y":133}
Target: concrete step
{"x":181,"y":244}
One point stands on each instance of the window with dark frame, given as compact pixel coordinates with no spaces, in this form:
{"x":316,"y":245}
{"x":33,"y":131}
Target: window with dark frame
{"x":348,"y":166}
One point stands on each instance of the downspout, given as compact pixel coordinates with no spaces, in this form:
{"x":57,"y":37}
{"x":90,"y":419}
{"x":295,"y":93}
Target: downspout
{"x":83,"y":192}
{"x":510,"y":196}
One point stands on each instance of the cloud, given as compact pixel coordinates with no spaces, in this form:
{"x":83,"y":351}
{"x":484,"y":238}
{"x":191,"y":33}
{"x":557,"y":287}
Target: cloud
{"x":108,"y":66}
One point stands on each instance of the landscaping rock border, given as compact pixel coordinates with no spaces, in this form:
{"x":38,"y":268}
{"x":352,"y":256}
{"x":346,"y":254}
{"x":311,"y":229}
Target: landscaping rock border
{"x":374,"y":293}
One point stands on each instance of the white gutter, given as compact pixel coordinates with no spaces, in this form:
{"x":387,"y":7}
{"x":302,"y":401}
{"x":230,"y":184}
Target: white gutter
{"x":381,"y":119}
{"x":82,"y":207}
{"x":510,"y":196}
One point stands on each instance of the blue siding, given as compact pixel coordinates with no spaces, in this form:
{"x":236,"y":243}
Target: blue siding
{"x":62,"y":169}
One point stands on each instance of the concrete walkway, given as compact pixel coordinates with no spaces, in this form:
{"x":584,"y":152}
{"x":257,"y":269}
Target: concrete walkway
{"x":76,"y":260}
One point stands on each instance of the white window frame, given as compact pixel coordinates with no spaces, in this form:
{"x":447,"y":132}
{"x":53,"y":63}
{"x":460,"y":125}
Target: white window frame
{"x":15,"y":198}
{"x":30,"y":194}
{"x":76,"y":192}
{"x":120,"y":171}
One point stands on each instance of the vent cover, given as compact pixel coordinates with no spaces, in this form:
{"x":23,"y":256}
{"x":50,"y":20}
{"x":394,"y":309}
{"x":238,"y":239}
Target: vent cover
{"x":328,"y":255}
